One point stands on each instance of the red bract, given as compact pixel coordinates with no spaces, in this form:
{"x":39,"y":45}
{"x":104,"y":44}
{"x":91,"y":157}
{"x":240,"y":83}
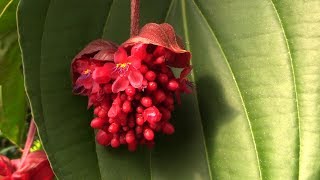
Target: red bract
{"x":133,"y":90}
{"x":163,"y":36}
{"x":35,"y":167}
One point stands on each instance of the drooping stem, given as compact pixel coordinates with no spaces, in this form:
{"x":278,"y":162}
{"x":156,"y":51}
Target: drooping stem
{"x":135,"y":13}
{"x":29,"y":141}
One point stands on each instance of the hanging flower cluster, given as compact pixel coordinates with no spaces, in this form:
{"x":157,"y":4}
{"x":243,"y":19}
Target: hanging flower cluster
{"x":132,"y":87}
{"x":35,"y":167}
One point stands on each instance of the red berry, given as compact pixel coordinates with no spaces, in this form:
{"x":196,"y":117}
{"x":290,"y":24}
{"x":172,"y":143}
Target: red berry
{"x":167,"y":128}
{"x":153,"y":125}
{"x":152,"y":115}
{"x":113,"y":128}
{"x":111,"y":120}
{"x":152,"y":86}
{"x":148,"y":134}
{"x":103,"y":113}
{"x":163,"y":78}
{"x":96,"y":110}
{"x":146,"y":101}
{"x":139,"y":109}
{"x":114,"y":111}
{"x":160,"y":60}
{"x":166,"y":114}
{"x":123,"y":97}
{"x":130,"y":91}
{"x":165,"y":69}
{"x":130,"y":138}
{"x":169,"y":100}
{"x":139,"y":129}
{"x":150,"y":76}
{"x":140,"y":121}
{"x":103,"y":138}
{"x":130,"y":98}
{"x":97,"y":123}
{"x":173,"y":85}
{"x":126,"y":106}
{"x":122,"y":139}
{"x":159,"y":96}
{"x":115,"y":143}
{"x":143,"y":69}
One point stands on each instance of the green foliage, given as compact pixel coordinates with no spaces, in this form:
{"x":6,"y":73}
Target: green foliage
{"x":12,"y":95}
{"x":254,"y":113}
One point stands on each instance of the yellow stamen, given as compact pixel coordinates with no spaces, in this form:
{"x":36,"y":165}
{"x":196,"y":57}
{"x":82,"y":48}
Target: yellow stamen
{"x":122,"y":65}
{"x":87,"y":71}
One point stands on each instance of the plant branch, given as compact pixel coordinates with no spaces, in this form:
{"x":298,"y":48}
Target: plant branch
{"x":135,"y":13}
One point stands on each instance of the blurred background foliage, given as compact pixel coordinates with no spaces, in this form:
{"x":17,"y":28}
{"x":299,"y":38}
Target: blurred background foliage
{"x":15,"y":114}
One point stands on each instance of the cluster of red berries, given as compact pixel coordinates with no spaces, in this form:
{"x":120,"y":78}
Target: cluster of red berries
{"x":133,"y":93}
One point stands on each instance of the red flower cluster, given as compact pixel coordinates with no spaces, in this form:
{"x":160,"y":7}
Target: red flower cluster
{"x":35,"y":167}
{"x":132,"y":87}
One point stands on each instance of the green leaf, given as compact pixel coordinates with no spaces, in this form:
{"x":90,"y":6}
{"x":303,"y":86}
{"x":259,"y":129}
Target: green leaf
{"x":13,"y":101}
{"x":254,"y":113}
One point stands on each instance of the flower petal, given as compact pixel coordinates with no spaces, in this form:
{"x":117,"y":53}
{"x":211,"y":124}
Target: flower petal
{"x":139,"y":51}
{"x":36,"y":166}
{"x":135,"y":78}
{"x":102,"y":74}
{"x":120,"y":56}
{"x":120,"y":84}
{"x":6,"y":168}
{"x":135,"y":62}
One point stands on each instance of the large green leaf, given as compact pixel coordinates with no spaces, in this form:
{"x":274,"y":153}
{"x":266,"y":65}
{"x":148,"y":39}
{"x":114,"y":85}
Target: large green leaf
{"x":254,"y":113}
{"x":13,"y":101}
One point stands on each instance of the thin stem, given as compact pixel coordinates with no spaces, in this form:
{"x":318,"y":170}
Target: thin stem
{"x":29,"y":141}
{"x":135,"y":13}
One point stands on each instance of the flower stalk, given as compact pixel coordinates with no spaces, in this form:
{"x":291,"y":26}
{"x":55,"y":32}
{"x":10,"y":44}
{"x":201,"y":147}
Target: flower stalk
{"x":135,"y":13}
{"x":29,"y":141}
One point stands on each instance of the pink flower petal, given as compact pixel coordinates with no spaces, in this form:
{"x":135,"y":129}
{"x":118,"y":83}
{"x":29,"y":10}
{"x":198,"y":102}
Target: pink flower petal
{"x":6,"y":168}
{"x":102,"y":74}
{"x":120,"y":56}
{"x":135,"y":77}
{"x":120,"y":84}
{"x":135,"y":62}
{"x":139,"y":51}
{"x":36,"y":167}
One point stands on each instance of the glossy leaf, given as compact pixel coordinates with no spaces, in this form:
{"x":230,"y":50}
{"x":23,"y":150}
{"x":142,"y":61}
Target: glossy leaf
{"x":253,"y":115}
{"x":13,"y":100}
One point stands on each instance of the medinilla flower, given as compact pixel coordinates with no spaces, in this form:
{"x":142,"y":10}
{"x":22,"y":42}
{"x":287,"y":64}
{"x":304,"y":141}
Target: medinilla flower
{"x":127,"y":68}
{"x":35,"y":167}
{"x":137,"y":89}
{"x":88,"y":69}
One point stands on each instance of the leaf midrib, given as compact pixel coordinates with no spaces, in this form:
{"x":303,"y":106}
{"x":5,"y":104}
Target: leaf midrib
{"x":186,"y":35}
{"x":294,"y":84}
{"x":237,"y":87}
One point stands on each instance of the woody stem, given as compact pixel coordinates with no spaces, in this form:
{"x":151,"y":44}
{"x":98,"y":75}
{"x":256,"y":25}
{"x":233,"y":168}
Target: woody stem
{"x":29,"y":141}
{"x":135,"y":13}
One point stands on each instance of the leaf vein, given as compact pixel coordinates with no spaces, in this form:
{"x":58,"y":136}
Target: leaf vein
{"x":237,"y":86}
{"x":294,"y":82}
